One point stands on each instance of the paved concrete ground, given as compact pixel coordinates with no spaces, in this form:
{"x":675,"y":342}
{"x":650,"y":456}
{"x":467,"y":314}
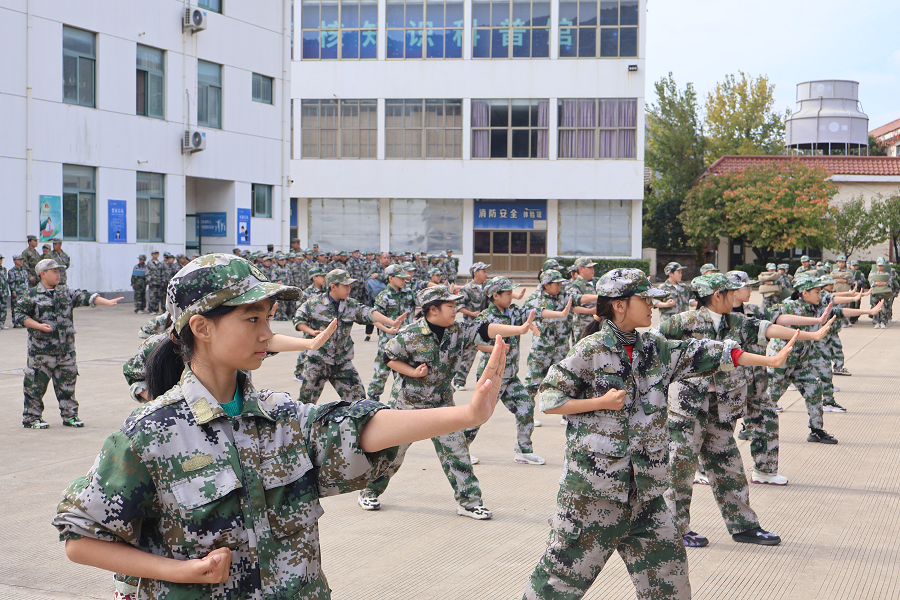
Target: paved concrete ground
{"x":839,"y":517}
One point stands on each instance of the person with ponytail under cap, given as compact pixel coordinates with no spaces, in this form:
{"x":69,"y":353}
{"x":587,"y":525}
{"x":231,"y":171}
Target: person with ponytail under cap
{"x":211,"y":489}
{"x":612,"y":388}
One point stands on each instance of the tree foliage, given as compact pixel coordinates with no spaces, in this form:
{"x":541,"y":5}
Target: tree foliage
{"x":855,"y":227}
{"x":674,"y":154}
{"x":886,"y":214}
{"x":776,"y":206}
{"x":740,"y":118}
{"x":876,"y":149}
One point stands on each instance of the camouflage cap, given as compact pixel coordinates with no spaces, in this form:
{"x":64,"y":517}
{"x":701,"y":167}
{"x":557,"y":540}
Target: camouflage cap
{"x":397,"y":271}
{"x":820,"y":264}
{"x":550,"y":263}
{"x":740,"y":278}
{"x":495,"y":285}
{"x":338,"y":276}
{"x":295,"y":240}
{"x":804,"y":258}
{"x":315,"y":271}
{"x":826,"y":280}
{"x":841,"y":258}
{"x":434,"y":271}
{"x":142,"y":257}
{"x":31,"y":238}
{"x":853,"y":263}
{"x":408,"y":266}
{"x":216,"y":279}
{"x":620,"y":283}
{"x":280,"y":256}
{"x":880,"y":261}
{"x":46,"y":265}
{"x":434,"y":294}
{"x":181,"y":256}
{"x":442,"y":255}
{"x":584,"y":262}
{"x":709,"y":267}
{"x":802,"y":284}
{"x":770,"y":267}
{"x":167,"y":255}
{"x":551,"y":276}
{"x":707,"y":285}
{"x":343,"y":253}
{"x":672,"y":266}
{"x":478,"y":266}
{"x":55,"y":241}
{"x":18,"y":257}
{"x":784,"y":266}
{"x":154,"y":252}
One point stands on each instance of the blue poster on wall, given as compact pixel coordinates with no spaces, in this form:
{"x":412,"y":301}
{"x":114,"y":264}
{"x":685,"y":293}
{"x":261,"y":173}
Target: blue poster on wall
{"x":213,"y":224}
{"x":118,"y":228}
{"x":511,"y":215}
{"x":243,"y":226}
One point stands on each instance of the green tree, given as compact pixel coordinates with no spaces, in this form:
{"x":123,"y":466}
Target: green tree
{"x":674,"y":154}
{"x":874,"y":148}
{"x":886,"y":214}
{"x":776,"y":206}
{"x":854,"y":227}
{"x":740,"y":118}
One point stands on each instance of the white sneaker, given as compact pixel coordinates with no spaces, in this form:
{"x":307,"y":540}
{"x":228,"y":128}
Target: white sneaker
{"x":537,"y":423}
{"x":530,"y":459}
{"x":368,"y":502}
{"x":564,"y":421}
{"x":836,"y":388}
{"x":701,"y":478}
{"x":766,"y":478}
{"x":474,"y":459}
{"x":792,"y":388}
{"x":476,"y":512}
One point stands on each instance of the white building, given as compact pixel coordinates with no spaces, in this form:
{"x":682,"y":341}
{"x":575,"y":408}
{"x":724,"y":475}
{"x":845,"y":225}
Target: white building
{"x":95,"y":100}
{"x":518,"y":135}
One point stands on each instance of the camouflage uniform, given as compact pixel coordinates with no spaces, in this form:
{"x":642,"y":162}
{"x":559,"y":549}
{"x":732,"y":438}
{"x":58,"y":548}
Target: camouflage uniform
{"x":701,"y":422}
{"x":182,"y":478}
{"x":30,"y":259}
{"x":679,"y":292}
{"x":414,"y":345}
{"x":18,"y":287}
{"x":333,"y":362}
{"x":474,"y":300}
{"x":611,"y":489}
{"x":51,"y":356}
{"x":283,"y":274}
{"x":512,"y":394}
{"x":139,"y":285}
{"x":4,"y":294}
{"x":552,"y":345}
{"x":63,"y":260}
{"x":578,"y":287}
{"x":157,"y":278}
{"x":884,"y":317}
{"x":832,"y":348}
{"x":391,"y":303}
{"x":135,"y":370}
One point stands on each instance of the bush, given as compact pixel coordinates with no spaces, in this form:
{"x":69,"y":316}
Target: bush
{"x":605,"y":265}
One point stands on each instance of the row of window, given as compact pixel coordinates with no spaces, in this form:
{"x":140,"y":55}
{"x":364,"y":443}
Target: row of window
{"x":79,"y":204}
{"x":519,"y":128}
{"x":79,"y":80}
{"x":348,"y":29}
{"x":586,"y":227}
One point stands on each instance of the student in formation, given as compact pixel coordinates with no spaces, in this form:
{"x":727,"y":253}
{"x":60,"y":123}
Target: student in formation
{"x":425,"y":355}
{"x":678,"y":294}
{"x":394,"y":300}
{"x":212,"y":489}
{"x":612,"y":387}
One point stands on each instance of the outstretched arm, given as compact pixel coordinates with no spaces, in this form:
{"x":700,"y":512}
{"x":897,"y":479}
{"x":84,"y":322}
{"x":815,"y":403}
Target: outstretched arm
{"x":748,"y":359}
{"x":786,"y":333}
{"x":389,"y":428}
{"x":495,"y":329}
{"x":289,"y":343}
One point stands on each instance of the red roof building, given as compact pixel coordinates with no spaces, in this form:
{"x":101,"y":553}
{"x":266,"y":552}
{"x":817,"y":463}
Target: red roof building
{"x":888,"y":137}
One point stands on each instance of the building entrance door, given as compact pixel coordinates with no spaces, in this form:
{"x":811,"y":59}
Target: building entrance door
{"x":513,"y":251}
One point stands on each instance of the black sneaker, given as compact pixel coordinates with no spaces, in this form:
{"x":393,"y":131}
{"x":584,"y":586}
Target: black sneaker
{"x":692,"y":539}
{"x":820,"y":436}
{"x":743,"y":434}
{"x":368,"y":338}
{"x":36,"y":424}
{"x":757,"y":536}
{"x":842,"y":371}
{"x":73,"y":422}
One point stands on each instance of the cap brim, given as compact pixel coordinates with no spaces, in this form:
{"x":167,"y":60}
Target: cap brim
{"x":653,"y":292}
{"x":266,"y":289}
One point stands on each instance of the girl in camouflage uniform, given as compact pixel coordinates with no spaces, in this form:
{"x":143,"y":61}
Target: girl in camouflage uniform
{"x":212,"y":489}
{"x":679,"y":294}
{"x":612,"y":387}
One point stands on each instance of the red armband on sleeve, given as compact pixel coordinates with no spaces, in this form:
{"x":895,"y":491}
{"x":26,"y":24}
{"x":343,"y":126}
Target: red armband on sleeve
{"x":734,"y":356}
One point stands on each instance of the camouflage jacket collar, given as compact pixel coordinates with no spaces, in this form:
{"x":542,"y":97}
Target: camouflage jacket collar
{"x":608,"y":338}
{"x":493,"y":310}
{"x":206,"y":408}
{"x":40,"y":288}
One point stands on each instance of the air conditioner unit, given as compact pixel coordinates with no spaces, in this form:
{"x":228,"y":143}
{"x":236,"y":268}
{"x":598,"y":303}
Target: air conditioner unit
{"x":194,"y":141}
{"x":194,"y":19}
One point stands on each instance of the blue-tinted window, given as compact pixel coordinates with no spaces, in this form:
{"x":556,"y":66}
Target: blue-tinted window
{"x":510,"y":29}
{"x":424,"y":29}
{"x":339,"y":30}
{"x":584,"y":25}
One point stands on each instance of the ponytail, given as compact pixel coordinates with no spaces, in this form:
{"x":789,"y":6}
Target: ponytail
{"x":604,"y":311}
{"x":795,"y":295}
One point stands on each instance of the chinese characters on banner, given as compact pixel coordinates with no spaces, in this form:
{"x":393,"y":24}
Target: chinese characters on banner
{"x":118,"y":230}
{"x":50,"y":215}
{"x":212,"y":224}
{"x":243,"y":226}
{"x":508,"y":215}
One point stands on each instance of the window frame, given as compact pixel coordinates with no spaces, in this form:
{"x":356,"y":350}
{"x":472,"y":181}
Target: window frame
{"x":512,"y":29}
{"x":597,"y":129}
{"x":221,"y":95}
{"x":79,"y":57}
{"x":262,"y":78}
{"x":578,"y":243}
{"x":267,"y":188}
{"x":146,"y":73}
{"x":150,"y":199}
{"x":80,"y":193}
{"x":423,"y":129}
{"x":424,"y":28}
{"x":200,"y":4}
{"x":338,"y":129}
{"x":339,"y":30}
{"x":534,"y":104}
{"x":598,"y":28}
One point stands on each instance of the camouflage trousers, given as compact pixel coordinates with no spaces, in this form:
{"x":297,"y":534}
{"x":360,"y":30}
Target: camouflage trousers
{"x":761,"y":421}
{"x":40,"y":370}
{"x":539,"y":362}
{"x":3,"y":302}
{"x":464,"y":366}
{"x":770,"y":300}
{"x":157,"y":298}
{"x":809,"y":379}
{"x":584,"y":533}
{"x":343,"y":377}
{"x":706,"y":441}
{"x":453,"y":452}
{"x":284,"y":310}
{"x":834,"y":349}
{"x":520,"y":403}
{"x":379,"y":376}
{"x":140,"y":298}
{"x":887,"y":310}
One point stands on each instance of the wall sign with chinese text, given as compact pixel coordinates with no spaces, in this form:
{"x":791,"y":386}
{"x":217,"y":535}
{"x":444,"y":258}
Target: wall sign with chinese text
{"x":509,"y":215}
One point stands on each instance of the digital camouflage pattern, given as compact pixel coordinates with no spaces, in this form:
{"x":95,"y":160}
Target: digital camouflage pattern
{"x":18,"y":281}
{"x":63,"y":260}
{"x":615,"y":472}
{"x":474,"y":299}
{"x":181,"y":479}
{"x":139,"y":285}
{"x":30,"y":259}
{"x":157,"y":279}
{"x":135,"y":369}
{"x":552,"y":345}
{"x":576,"y":288}
{"x":4,"y":294}
{"x":414,"y":345}
{"x":155,"y":325}
{"x":679,"y":292}
{"x":391,"y":303}
{"x":40,"y":370}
